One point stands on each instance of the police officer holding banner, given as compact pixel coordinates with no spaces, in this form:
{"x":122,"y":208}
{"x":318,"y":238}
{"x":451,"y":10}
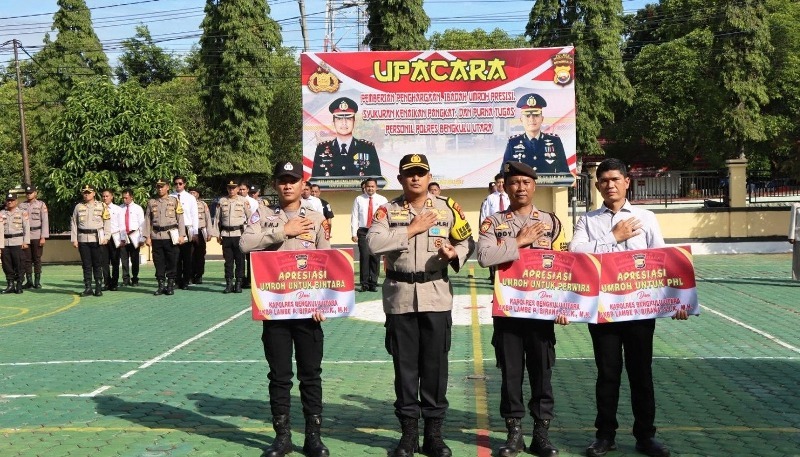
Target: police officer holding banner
{"x":541,"y":151}
{"x":521,"y":342}
{"x":40,"y":231}
{"x":233,"y":213}
{"x":420,"y":235}
{"x":290,"y":226}
{"x":14,"y":239}
{"x":163,"y":231}
{"x":90,"y":230}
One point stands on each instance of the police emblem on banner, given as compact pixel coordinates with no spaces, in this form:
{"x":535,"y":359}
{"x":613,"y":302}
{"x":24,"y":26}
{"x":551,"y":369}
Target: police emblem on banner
{"x":323,"y":80}
{"x":563,"y":67}
{"x":302,"y":261}
{"x":547,"y":261}
{"x":638,"y":261}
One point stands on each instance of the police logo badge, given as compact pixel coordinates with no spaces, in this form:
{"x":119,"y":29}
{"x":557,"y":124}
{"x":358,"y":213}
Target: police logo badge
{"x":563,"y":68}
{"x":323,"y":80}
{"x":639,"y":261}
{"x":547,"y":261}
{"x":301,"y":261}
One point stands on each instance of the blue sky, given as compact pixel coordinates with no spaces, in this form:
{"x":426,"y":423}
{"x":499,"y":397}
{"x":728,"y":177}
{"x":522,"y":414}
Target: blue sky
{"x":175,"y":23}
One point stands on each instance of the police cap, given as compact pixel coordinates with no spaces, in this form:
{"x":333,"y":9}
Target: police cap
{"x":411,"y":161}
{"x":87,"y":188}
{"x":518,"y":169}
{"x":343,"y":107}
{"x":162,"y":182}
{"x":253,"y":189}
{"x":293,"y":169}
{"x":531,"y":104}
{"x":232,"y":184}
{"x":10,"y":196}
{"x":30,"y":188}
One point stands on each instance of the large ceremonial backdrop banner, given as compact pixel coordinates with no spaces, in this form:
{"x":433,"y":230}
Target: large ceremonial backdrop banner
{"x":460,"y":108}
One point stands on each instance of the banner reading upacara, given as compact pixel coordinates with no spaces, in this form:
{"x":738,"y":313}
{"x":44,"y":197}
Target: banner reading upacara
{"x":468,"y":111}
{"x":296,"y":284}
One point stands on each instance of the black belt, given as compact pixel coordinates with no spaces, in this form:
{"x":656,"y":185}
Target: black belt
{"x":36,"y":228}
{"x":164,"y":229}
{"x":87,"y":231}
{"x":230,"y":228}
{"x":14,"y":235}
{"x":417,"y":276}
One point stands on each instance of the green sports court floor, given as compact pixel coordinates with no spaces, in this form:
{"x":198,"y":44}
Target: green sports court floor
{"x":129,"y":374}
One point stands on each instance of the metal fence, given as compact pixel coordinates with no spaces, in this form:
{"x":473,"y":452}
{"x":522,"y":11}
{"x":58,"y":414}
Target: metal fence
{"x":764,"y":188}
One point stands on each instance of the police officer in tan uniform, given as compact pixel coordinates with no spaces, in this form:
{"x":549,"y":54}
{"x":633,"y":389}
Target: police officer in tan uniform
{"x":14,"y":239}
{"x":40,"y":231}
{"x":520,"y":342}
{"x":90,"y":228}
{"x":205,"y":230}
{"x":162,"y":216}
{"x":290,"y":226}
{"x":233,"y":213}
{"x":420,"y":235}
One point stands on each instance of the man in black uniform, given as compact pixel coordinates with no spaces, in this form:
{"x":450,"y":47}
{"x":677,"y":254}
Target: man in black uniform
{"x":345,"y":155}
{"x":14,"y":238}
{"x":520,"y":342}
{"x":90,"y":230}
{"x":542,"y":151}
{"x":40,"y":231}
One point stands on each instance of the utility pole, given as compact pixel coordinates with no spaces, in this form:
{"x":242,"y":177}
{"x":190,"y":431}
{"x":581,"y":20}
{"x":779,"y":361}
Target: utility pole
{"x":303,"y":24}
{"x":26,"y":167}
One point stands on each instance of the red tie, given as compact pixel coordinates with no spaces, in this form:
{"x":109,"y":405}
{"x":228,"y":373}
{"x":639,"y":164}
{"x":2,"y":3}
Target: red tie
{"x":502,"y":204}
{"x":127,"y":218}
{"x":369,"y":213}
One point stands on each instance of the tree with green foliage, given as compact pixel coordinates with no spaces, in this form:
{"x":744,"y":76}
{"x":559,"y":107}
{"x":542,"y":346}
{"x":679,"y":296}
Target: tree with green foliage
{"x":594,"y":28}
{"x":236,"y":79}
{"x":286,"y":113}
{"x":396,"y":25}
{"x":476,"y":39}
{"x":145,"y":62}
{"x":111,"y":137}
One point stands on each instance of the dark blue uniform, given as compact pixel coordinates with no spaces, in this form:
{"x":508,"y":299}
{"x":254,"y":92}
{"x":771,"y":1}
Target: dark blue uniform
{"x":361,"y":159}
{"x":544,"y":154}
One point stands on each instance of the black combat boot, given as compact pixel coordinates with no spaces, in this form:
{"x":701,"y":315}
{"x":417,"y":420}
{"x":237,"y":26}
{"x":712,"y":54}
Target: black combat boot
{"x":515,"y":442}
{"x":18,"y":289}
{"x":37,"y":281}
{"x":432,"y":442}
{"x":313,"y":446}
{"x":28,"y":281}
{"x":170,"y":289}
{"x":237,"y":286}
{"x":228,"y":286}
{"x":409,"y":441}
{"x":87,"y":289}
{"x":540,"y":443}
{"x":160,"y":290}
{"x":98,"y":289}
{"x":282,"y":444}
{"x":9,"y":288}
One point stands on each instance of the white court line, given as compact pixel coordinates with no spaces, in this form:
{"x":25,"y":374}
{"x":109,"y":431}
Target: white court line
{"x":754,"y":330}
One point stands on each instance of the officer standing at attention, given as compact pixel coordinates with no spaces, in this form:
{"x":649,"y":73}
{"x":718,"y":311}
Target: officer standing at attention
{"x":40,"y":232}
{"x":290,"y":226}
{"x":111,"y":252}
{"x":419,"y":235}
{"x":90,"y":230}
{"x":190,"y":221}
{"x":205,"y":230}
{"x":233,"y":212}
{"x":15,"y":238}
{"x":542,"y":151}
{"x":520,"y":342}
{"x":345,"y":155}
{"x":163,"y":214}
{"x":132,"y":223}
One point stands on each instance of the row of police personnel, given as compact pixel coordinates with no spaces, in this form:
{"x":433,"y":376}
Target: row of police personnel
{"x":25,"y":230}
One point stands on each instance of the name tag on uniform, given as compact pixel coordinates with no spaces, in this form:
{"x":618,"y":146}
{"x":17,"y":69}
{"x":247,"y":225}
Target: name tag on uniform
{"x":501,"y":226}
{"x":437,"y":231}
{"x":398,"y":214}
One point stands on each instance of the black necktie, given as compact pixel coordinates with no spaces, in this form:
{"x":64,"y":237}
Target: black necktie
{"x":344,"y":149}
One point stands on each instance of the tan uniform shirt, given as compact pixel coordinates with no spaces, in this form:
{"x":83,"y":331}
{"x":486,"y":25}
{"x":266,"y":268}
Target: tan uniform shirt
{"x":88,"y":220}
{"x":388,"y":236}
{"x":204,"y":219}
{"x":162,"y":215}
{"x":268,"y":235}
{"x":38,"y":218}
{"x":497,"y":241}
{"x":231,"y":216}
{"x":16,"y":229}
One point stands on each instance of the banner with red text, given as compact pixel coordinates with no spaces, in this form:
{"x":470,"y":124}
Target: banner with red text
{"x":597,"y":288}
{"x":296,"y":284}
{"x":646,"y":284}
{"x":546,"y":284}
{"x":460,"y":108}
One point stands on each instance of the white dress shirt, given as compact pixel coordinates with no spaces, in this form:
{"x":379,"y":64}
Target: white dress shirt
{"x":135,"y":217}
{"x":593,"y":230}
{"x":358,"y":217}
{"x":117,"y":218}
{"x":492,"y":204}
{"x":313,"y":203}
{"x":189,"y":205}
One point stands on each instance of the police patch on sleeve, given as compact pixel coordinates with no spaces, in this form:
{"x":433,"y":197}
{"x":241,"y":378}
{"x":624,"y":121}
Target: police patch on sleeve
{"x":486,"y":225}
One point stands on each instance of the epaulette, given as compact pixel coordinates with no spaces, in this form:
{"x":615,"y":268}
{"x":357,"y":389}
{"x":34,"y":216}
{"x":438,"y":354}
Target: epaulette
{"x":323,"y":142}
{"x":550,"y":134}
{"x":364,"y":141}
{"x":515,"y":136}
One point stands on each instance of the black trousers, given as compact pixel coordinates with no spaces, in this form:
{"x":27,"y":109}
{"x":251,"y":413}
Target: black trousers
{"x":199,"y":257}
{"x":306,"y":338}
{"x":165,"y":259}
{"x":32,"y":257}
{"x":368,"y":263}
{"x":525,"y":343}
{"x":13,"y":262}
{"x":110,"y":261}
{"x":130,"y":257}
{"x":634,"y":341}
{"x":419,"y":344}
{"x":232,"y":255}
{"x":184,"y":262}
{"x":91,"y":261}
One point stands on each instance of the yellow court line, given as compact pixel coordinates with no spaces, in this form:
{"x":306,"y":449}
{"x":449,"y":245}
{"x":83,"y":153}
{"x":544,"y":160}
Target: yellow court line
{"x":22,"y":311}
{"x":481,"y":403}
{"x":75,"y":300}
